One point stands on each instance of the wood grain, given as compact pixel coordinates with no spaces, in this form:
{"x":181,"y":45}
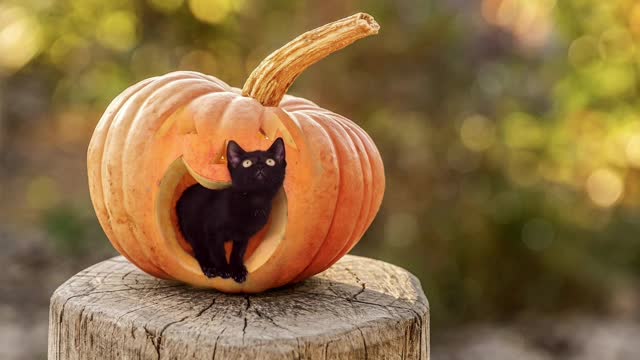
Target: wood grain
{"x":358,"y":309}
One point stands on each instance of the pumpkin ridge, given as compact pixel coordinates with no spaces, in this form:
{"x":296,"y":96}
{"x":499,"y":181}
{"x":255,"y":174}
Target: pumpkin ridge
{"x":307,"y":121}
{"x":364,"y":215}
{"x":96,"y":148}
{"x":209,"y":78}
{"x":107,"y":188}
{"x":366,"y":188}
{"x":206,"y":88}
{"x":225,"y":122}
{"x":290,"y":102}
{"x":337,"y":135}
{"x":377,"y":179}
{"x":164,"y":129}
{"x":123,"y":122}
{"x":224,"y":102}
{"x":375,"y":163}
{"x":137,"y":157}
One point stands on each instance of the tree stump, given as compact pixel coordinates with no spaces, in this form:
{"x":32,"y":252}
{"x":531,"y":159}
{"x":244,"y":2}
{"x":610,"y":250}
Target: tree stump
{"x":358,"y":309}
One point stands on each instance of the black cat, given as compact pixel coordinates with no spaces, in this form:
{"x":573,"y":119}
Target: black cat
{"x":209,"y":218}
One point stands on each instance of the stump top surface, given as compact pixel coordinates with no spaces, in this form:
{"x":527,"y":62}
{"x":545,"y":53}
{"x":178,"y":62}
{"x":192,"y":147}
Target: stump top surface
{"x":355,"y":301}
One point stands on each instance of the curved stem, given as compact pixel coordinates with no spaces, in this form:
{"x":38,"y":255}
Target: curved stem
{"x":269,"y":82}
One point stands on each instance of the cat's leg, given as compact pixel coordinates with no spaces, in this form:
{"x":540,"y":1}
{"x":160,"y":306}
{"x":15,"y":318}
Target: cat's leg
{"x":217,"y":254}
{"x":236,"y":263}
{"x":201,"y":253}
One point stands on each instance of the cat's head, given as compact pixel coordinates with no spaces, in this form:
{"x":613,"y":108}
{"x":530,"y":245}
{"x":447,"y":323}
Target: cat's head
{"x":256,"y":170}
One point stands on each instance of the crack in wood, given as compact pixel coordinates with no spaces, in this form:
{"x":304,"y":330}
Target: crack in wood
{"x":158,"y":345}
{"x":127,"y":274}
{"x":364,"y":342}
{"x":215,"y":345}
{"x":244,"y":329}
{"x":270,"y":319}
{"x":213,"y":302}
{"x":360,"y":282}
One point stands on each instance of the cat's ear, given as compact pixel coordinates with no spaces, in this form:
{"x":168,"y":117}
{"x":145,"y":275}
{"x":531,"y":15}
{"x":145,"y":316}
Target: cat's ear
{"x":277,"y":150}
{"x":234,"y":153}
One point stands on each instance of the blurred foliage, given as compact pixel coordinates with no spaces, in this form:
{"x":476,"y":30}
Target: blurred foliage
{"x":72,"y":230}
{"x":510,"y":129}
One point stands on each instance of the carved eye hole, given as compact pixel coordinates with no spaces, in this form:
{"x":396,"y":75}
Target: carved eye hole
{"x":270,"y":162}
{"x":247,"y":163}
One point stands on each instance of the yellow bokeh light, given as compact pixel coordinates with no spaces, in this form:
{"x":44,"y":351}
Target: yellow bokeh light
{"x":211,"y":11}
{"x":616,"y":44}
{"x":533,"y":24}
{"x":583,"y":51}
{"x":477,"y":133}
{"x":507,"y":12}
{"x":489,"y":11}
{"x":166,"y":6}
{"x":117,"y":30}
{"x":605,"y":187}
{"x":20,"y":37}
{"x":614,"y":80}
{"x":634,"y":19}
{"x":68,"y":44}
{"x":529,"y":21}
{"x":633,"y":150}
{"x":523,"y":131}
{"x":238,"y":5}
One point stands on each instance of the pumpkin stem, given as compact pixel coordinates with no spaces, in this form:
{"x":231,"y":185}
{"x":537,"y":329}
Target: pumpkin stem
{"x":269,"y":82}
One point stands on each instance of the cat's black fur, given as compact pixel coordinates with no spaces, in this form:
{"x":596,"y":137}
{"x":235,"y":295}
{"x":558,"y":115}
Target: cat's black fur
{"x":209,"y":218}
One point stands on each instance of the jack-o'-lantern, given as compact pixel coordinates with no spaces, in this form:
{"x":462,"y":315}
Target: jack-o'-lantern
{"x":166,"y":133}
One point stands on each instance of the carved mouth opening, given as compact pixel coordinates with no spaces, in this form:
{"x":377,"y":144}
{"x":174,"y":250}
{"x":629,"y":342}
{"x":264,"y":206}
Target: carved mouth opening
{"x":178,"y":178}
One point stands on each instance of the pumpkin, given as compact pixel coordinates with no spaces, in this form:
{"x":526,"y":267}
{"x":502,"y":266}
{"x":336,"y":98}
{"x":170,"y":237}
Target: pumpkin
{"x":166,"y":133}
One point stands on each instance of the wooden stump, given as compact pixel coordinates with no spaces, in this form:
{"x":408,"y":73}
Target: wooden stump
{"x":358,"y":309}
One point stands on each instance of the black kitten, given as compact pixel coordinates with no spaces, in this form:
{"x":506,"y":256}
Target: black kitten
{"x":209,"y":218}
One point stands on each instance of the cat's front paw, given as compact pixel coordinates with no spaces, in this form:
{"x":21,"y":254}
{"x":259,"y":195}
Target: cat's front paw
{"x":209,"y":271}
{"x":239,"y":273}
{"x":224,"y":273}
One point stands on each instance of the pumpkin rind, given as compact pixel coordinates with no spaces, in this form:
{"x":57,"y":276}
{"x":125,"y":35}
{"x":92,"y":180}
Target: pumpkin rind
{"x":173,"y":128}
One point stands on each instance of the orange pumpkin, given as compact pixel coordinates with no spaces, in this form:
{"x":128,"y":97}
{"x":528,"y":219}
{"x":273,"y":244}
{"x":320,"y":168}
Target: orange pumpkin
{"x":163,"y":134}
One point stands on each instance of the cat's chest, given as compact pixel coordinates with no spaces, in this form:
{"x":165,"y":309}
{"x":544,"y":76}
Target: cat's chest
{"x":251,"y":206}
{"x":249,"y":216}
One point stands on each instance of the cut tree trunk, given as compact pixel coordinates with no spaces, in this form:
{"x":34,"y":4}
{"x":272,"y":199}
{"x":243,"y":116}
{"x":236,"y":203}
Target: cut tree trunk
{"x":358,"y":309}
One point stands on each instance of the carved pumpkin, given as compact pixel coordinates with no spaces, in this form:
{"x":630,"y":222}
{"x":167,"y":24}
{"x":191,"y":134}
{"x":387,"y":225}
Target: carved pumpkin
{"x":163,"y":134}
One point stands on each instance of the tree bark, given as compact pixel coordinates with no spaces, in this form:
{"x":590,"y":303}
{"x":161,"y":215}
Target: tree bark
{"x":358,"y":309}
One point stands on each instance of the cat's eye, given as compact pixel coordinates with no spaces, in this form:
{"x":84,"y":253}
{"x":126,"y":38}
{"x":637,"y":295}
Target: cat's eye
{"x":270,"y":162}
{"x":247,"y":163}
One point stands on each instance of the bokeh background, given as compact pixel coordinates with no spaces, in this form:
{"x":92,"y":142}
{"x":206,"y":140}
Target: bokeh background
{"x":510,"y":132}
